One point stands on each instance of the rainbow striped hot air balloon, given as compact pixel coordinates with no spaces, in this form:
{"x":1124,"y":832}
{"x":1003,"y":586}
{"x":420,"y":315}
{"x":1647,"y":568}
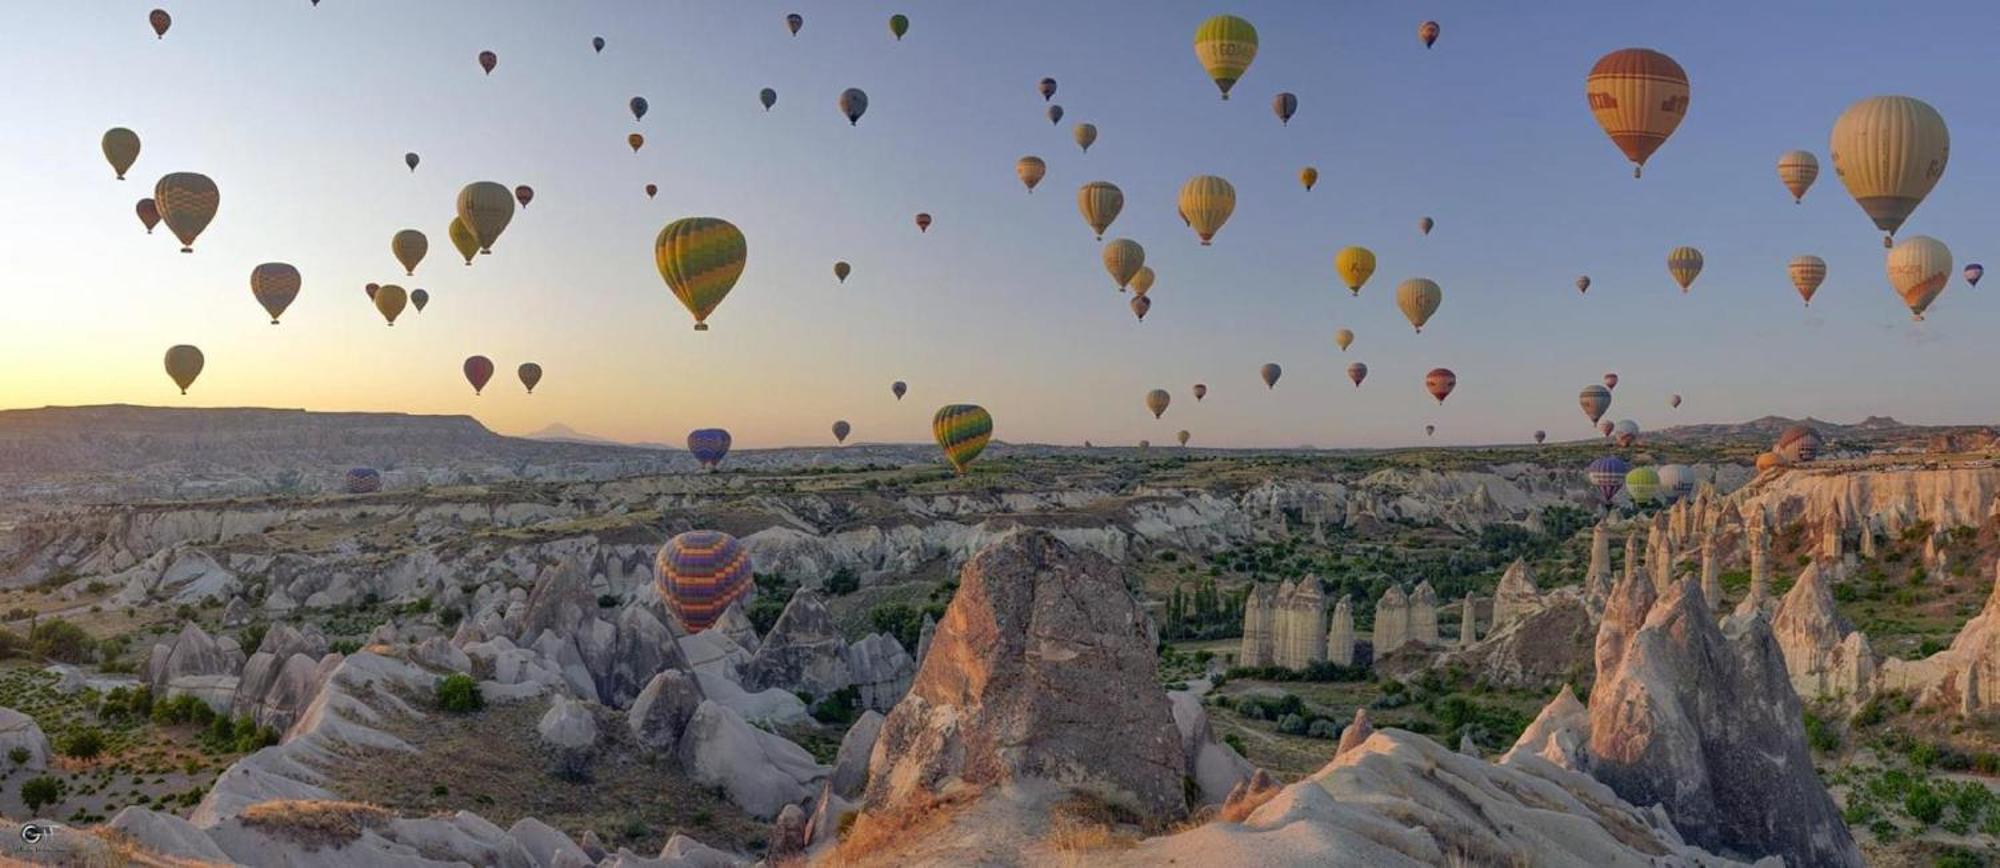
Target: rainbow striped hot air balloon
{"x":700,"y":258}
{"x":962,"y":431}
{"x":709,"y":445}
{"x":362,"y":480}
{"x":701,"y":572}
{"x":1608,"y":474}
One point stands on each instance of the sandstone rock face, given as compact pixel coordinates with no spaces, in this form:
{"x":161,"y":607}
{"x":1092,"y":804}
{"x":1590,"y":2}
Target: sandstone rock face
{"x":1423,"y":614}
{"x":1813,"y":637}
{"x":1707,"y":725}
{"x":1547,"y":646}
{"x":924,"y":637}
{"x":761,"y":772}
{"x":661,"y":713}
{"x":1259,"y":632}
{"x":804,"y":652}
{"x":1042,"y":669}
{"x":882,"y":670}
{"x":1392,"y":621}
{"x":850,"y":765}
{"x":1355,"y":733}
{"x":1972,"y":660}
{"x":20,"y":730}
{"x":1558,"y":735}
{"x":1215,"y":768}
{"x":568,"y":725}
{"x":1340,"y":633}
{"x":193,"y":653}
{"x":1516,"y":595}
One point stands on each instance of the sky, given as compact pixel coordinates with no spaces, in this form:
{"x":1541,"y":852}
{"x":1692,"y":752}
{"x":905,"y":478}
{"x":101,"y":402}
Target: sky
{"x":302,"y":114}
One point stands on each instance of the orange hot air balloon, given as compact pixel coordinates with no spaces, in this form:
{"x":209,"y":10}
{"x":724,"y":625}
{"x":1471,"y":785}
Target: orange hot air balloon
{"x":1639,"y":97}
{"x":1439,"y":382}
{"x":478,"y":370}
{"x":636,"y":141}
{"x":488,"y":60}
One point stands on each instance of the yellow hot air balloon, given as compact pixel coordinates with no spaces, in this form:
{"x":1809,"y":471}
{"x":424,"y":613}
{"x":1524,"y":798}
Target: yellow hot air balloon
{"x":1183,"y":436}
{"x":1919,"y":268}
{"x":1639,"y":97}
{"x":1684,"y":263}
{"x":1889,"y":151}
{"x":1807,"y":273}
{"x":1142,"y":280}
{"x":1206,"y":203}
{"x":184,"y":363}
{"x":1085,"y":135}
{"x":1225,"y":45}
{"x":462,"y":239}
{"x":187,"y":202}
{"x":1797,"y":170}
{"x":389,"y":301}
{"x":1355,"y":265}
{"x":1030,"y":170}
{"x":1309,"y":176}
{"x":700,"y":258}
{"x":121,"y":148}
{"x":486,"y":208}
{"x":1123,"y":258}
{"x":1343,"y":337}
{"x":409,"y":246}
{"x":1157,"y":401}
{"x":1418,"y":298}
{"x":1100,"y":202}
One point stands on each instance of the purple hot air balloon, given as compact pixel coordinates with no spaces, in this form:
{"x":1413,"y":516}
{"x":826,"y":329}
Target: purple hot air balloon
{"x":1973,"y":272}
{"x":1608,"y":474}
{"x":363,"y":480}
{"x":709,"y":445}
{"x":701,"y":572}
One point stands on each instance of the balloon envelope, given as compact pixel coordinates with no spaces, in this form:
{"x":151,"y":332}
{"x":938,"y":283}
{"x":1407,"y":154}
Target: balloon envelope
{"x":121,"y":149}
{"x":1608,"y":474}
{"x":478,"y":370}
{"x":1354,"y":265}
{"x":700,"y":258}
{"x":409,"y":247}
{"x":853,"y":103}
{"x":1099,"y":202}
{"x":1270,"y":373}
{"x":1206,"y":202}
{"x":184,"y":363}
{"x":1807,"y":273}
{"x":485,"y":208}
{"x":362,"y":480}
{"x":700,"y":574}
{"x":1123,"y":258}
{"x":1225,"y":45}
{"x":1639,"y":96}
{"x":962,"y":431}
{"x":1594,"y":399}
{"x":530,"y":374}
{"x":187,"y":201}
{"x":841,"y":430}
{"x":1919,"y":268}
{"x":1889,"y":151}
{"x":275,"y":285}
{"x":1440,"y":382}
{"x":709,"y":445}
{"x":1157,"y":401}
{"x":1797,"y":170}
{"x":1418,"y":298}
{"x":1684,"y":263}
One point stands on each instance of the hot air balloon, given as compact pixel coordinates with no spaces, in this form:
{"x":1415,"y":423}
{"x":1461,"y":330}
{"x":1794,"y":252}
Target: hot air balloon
{"x":160,"y":21}
{"x":1608,"y":474}
{"x":411,"y":159}
{"x":1684,"y":263}
{"x":638,"y":105}
{"x":1798,"y":444}
{"x":1439,"y":382}
{"x":1357,"y":372}
{"x":1182,"y":436}
{"x":1889,"y":151}
{"x":700,"y":258}
{"x":1430,"y":430}
{"x":1638,"y":96}
{"x":636,"y":141}
{"x":596,"y":42}
{"x":1769,"y":461}
{"x":488,"y":60}
{"x":853,"y":103}
{"x":1595,"y":400}
{"x":1047,"y":88}
{"x":1200,"y":391}
{"x":1676,"y":482}
{"x":1611,"y":381}
{"x":389,"y":302}
{"x":371,"y":289}
{"x":1605,"y":427}
{"x":840,"y":430}
{"x":795,"y":21}
{"x":1085,"y":135}
{"x":485,"y":208}
{"x":1100,"y":202}
{"x":1642,"y":483}
{"x":419,"y":298}
{"x":1206,"y":203}
{"x":409,"y":246}
{"x":841,"y":269}
{"x":1054,"y":114}
{"x":530,"y":374}
{"x":899,"y":25}
{"x":1425,"y":225}
{"x":1418,"y":298}
{"x":187,"y":202}
{"x":1354,"y":265}
{"x":1030,"y":170}
{"x":149,"y":214}
{"x":1674,"y":400}
{"x":463,"y":240}
{"x":1270,"y":373}
{"x":701,"y":573}
{"x":1284,"y":105}
{"x":1973,"y":272}
{"x":1142,"y":280}
{"x":709,"y":445}
{"x":1157,"y":400}
{"x":1309,"y":176}
{"x":768,"y":98}
{"x":1797,"y":170}
{"x":1343,"y":337}
{"x":524,"y":194}
{"x":1122,"y":259}
{"x":923,"y":221}
{"x":478,"y":370}
{"x":898,"y":388}
{"x":1141,"y":305}
{"x":1225,"y":45}
{"x":121,"y":149}
{"x":362,"y":480}
{"x":962,"y":431}
{"x":1807,"y":273}
{"x":1427,"y":33}
{"x":652,"y":190}
{"x":1919,"y":267}
{"x":183,"y":365}
{"x":1626,"y":432}
{"x":1540,"y":436}
{"x":274,"y":284}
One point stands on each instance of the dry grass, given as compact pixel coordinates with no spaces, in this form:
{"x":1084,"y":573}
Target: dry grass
{"x":875,"y":835}
{"x":315,"y":824}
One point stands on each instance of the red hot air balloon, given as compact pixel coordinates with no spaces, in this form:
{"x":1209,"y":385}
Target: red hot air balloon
{"x":478,"y":370}
{"x":371,"y":289}
{"x":923,"y":222}
{"x":652,"y":190}
{"x":1200,"y":391}
{"x":1611,"y":381}
{"x":149,"y":214}
{"x":524,"y":194}
{"x":161,"y":21}
{"x":488,"y":60}
{"x":1439,"y":382}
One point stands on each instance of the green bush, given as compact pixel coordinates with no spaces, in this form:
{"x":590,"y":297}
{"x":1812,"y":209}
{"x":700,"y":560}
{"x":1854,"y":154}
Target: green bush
{"x":40,"y":791}
{"x":252,"y":636}
{"x":19,"y":755}
{"x":459,"y":694}
{"x":1235,"y":743}
{"x":1292,"y":724}
{"x":84,"y":744}
{"x":61,"y":641}
{"x":840,"y":707}
{"x":1924,"y":805}
{"x":1820,"y":735}
{"x":842,"y":582}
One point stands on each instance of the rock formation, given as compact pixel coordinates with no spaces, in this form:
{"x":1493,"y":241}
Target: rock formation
{"x":1259,"y":619}
{"x":1546,"y":647}
{"x":1215,"y":768}
{"x":1355,"y":732}
{"x":1468,"y":623}
{"x":881,"y":670}
{"x":1516,"y":595}
{"x":804,"y":651}
{"x":197,"y":664}
{"x":1823,"y":654}
{"x":18,"y":730}
{"x":661,"y":713}
{"x":1711,"y":571}
{"x":1972,"y":661}
{"x":924,"y":637}
{"x":1631,"y":564}
{"x":1340,"y":633}
{"x":1392,"y":621}
{"x":1423,"y":614}
{"x":1597,"y":578}
{"x":1300,"y":634}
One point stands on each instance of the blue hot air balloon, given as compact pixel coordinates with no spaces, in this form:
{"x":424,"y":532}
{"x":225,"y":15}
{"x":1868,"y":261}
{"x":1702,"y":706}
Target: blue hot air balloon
{"x":709,"y":445}
{"x":1608,"y":474}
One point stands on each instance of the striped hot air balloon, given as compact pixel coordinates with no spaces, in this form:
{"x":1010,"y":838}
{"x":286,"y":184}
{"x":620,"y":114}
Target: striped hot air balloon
{"x":362,"y":480}
{"x":1798,"y":444}
{"x":1889,"y":151}
{"x":1642,"y":483}
{"x":478,"y":371}
{"x":1157,"y":401}
{"x":1206,"y":203}
{"x":187,"y":201}
{"x":1099,"y":202}
{"x":1123,"y":258}
{"x":709,"y":445}
{"x":1797,"y":170}
{"x":1030,"y":169}
{"x":1676,"y":482}
{"x":701,"y":572}
{"x":1284,"y":105}
{"x":1919,"y":268}
{"x":485,"y":208}
{"x":962,"y":431}
{"x":462,"y":239}
{"x":1085,"y":135}
{"x":1225,"y":45}
{"x":275,"y":285}
{"x":1684,"y":263}
{"x":1639,"y":96}
{"x":1807,"y":272}
{"x":1594,"y":399}
{"x":1608,"y":474}
{"x":1439,"y":382}
{"x":1418,"y":298}
{"x":700,"y":258}
{"x":1142,"y":280}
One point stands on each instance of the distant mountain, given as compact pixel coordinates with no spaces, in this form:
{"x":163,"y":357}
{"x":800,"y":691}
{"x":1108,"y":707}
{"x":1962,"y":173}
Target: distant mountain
{"x":1873,"y":432}
{"x":559,"y":433}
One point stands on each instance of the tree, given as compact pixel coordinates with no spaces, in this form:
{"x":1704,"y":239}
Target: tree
{"x":459,"y":694}
{"x":40,"y":791}
{"x":84,"y":744}
{"x":61,"y":641}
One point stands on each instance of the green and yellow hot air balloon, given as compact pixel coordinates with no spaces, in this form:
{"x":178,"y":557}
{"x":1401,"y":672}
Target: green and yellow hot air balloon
{"x":700,"y":258}
{"x":962,"y":431}
{"x":1642,"y":483}
{"x":462,"y":239}
{"x":1225,"y":45}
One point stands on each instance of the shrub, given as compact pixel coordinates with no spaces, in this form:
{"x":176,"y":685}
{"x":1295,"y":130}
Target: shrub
{"x":459,"y":694}
{"x":11,"y":643}
{"x":19,"y":754}
{"x":839,"y":707}
{"x":1235,"y":743}
{"x":607,"y":601}
{"x":62,"y":641}
{"x":252,"y":636}
{"x":83,"y":744}
{"x":40,"y":791}
{"x":1820,"y":735}
{"x":1292,"y":724}
{"x":1924,"y":805}
{"x":1323,"y":728}
{"x":843,"y":581}
{"x":451,"y":616}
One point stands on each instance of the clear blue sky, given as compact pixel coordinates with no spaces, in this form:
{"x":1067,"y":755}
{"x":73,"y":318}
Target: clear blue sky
{"x":302,"y":115}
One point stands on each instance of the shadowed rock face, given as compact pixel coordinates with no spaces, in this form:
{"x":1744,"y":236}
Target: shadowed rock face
{"x":1043,"y":668}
